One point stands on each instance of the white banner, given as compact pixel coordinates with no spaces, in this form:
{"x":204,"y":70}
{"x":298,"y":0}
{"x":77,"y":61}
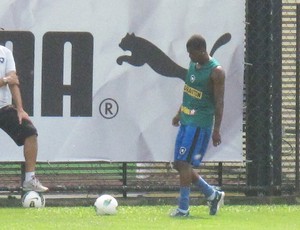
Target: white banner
{"x":105,"y":80}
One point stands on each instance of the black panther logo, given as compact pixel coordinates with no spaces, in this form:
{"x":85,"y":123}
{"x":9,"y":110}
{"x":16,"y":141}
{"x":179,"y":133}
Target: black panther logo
{"x":144,"y":52}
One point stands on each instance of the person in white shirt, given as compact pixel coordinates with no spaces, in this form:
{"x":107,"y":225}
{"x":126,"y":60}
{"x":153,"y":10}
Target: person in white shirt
{"x":15,"y":121}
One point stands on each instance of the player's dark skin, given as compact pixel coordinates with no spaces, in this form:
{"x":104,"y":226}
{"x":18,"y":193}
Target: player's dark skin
{"x":187,"y":174}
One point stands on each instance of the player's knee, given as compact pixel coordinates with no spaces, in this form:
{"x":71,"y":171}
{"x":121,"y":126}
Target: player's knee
{"x":181,"y":165}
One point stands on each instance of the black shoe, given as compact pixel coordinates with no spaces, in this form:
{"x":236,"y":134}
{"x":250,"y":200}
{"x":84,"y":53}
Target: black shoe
{"x":216,"y":203}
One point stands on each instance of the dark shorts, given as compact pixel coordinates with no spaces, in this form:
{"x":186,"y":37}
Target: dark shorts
{"x":9,"y":122}
{"x":191,"y":144}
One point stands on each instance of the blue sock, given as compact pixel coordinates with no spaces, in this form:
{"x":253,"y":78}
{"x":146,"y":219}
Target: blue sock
{"x":184,"y":198}
{"x":205,"y":188}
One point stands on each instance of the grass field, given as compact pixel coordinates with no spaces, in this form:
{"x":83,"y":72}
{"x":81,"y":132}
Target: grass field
{"x":281,"y":217}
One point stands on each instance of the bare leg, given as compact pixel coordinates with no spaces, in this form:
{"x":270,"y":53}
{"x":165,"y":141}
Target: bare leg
{"x":30,"y":153}
{"x":195,"y":177}
{"x":185,"y":173}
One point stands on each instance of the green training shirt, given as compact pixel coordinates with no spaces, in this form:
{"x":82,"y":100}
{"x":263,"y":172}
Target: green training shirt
{"x":198,"y":101}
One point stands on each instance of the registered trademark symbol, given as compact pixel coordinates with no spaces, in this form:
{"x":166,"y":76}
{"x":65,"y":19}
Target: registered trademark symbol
{"x":109,"y":108}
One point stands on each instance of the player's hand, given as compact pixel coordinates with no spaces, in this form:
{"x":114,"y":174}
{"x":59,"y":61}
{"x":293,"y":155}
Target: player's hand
{"x":216,"y":137}
{"x":22,"y":115}
{"x":176,"y":120}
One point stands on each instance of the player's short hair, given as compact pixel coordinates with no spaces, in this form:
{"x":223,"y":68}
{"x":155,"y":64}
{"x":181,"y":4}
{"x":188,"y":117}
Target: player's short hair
{"x":196,"y":42}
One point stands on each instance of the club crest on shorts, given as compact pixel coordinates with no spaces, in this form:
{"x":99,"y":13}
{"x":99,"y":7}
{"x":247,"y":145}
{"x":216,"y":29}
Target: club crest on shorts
{"x":182,"y":150}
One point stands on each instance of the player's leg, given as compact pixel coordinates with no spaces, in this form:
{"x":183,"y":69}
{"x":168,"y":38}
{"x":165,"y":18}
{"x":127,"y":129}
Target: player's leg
{"x":214,"y":197}
{"x":30,"y":155}
{"x":184,"y":169}
{"x":201,"y":144}
{"x":203,"y":186}
{"x":183,"y":145}
{"x":23,"y":135}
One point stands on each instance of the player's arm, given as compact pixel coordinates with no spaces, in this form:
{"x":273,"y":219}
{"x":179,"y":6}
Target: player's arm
{"x":16,"y":96}
{"x":218,"y":79}
{"x":10,"y":78}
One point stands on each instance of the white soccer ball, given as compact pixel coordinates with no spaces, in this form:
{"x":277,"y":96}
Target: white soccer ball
{"x":106,"y":205}
{"x":32,"y":199}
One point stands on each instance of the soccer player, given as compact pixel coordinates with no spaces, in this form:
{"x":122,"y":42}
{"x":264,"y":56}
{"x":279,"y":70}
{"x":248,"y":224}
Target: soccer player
{"x":15,"y":121}
{"x":199,"y":118}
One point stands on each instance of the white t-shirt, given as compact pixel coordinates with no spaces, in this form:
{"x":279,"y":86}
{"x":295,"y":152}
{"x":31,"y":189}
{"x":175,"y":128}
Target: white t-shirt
{"x":7,"y":64}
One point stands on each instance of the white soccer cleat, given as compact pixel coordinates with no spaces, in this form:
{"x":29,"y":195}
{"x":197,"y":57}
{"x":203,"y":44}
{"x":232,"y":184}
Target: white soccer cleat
{"x":34,"y":185}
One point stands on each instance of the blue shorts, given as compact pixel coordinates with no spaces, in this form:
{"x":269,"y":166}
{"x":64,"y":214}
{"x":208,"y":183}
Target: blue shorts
{"x":191,"y":144}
